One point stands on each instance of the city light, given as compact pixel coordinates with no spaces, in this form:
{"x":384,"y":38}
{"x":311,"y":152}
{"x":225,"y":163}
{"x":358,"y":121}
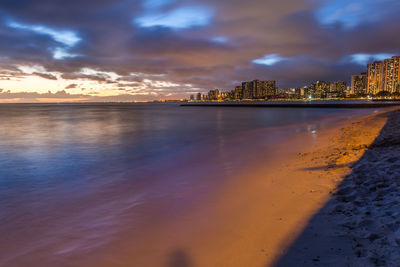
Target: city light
{"x":381,"y":79}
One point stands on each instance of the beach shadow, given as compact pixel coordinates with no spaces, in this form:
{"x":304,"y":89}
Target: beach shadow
{"x":329,"y":167}
{"x":178,"y":258}
{"x":356,"y":223}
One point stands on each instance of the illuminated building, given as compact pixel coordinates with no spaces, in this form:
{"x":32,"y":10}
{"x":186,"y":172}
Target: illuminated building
{"x":268,"y":88}
{"x":238,"y":94}
{"x":247,"y":90}
{"x":198,"y":97}
{"x":340,"y":88}
{"x":308,"y":93}
{"x":374,"y":77}
{"x":332,"y":88}
{"x":331,"y":92}
{"x":214,"y":95}
{"x":359,"y":84}
{"x":258,"y":89}
{"x":396,"y":75}
{"x":226,"y":95}
{"x":319,"y":89}
{"x":391,"y":74}
{"x":388,"y":67}
{"x":301,"y":91}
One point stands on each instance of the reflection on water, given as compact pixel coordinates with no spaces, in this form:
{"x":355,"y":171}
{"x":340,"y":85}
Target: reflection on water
{"x":74,"y":176}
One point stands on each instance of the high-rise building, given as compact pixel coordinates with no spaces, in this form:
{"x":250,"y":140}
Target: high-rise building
{"x":396,"y":75}
{"x":247,"y":90}
{"x":348,"y":91}
{"x":374,"y":77}
{"x":198,"y":97}
{"x":269,"y":88}
{"x":238,"y":94}
{"x":388,"y":71}
{"x":332,"y":88}
{"x":300,"y":91}
{"x":214,"y":95}
{"x":340,"y":88}
{"x":191,"y":97}
{"x":359,"y":84}
{"x":308,"y":93}
{"x":332,"y":92}
{"x":258,"y":89}
{"x":319,"y":89}
{"x":391,"y":74}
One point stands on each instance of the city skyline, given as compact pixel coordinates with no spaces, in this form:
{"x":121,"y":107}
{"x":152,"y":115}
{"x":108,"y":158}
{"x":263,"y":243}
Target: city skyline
{"x":381,"y":78}
{"x":114,"y":50}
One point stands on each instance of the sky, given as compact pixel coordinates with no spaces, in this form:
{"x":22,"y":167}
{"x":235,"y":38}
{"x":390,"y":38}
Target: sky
{"x":139,"y":50}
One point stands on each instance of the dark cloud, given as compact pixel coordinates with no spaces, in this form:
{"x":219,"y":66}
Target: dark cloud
{"x":45,"y":75}
{"x":130,"y":84}
{"x":110,"y":41}
{"x":137,"y":79}
{"x":77,"y":76}
{"x":71,"y":86}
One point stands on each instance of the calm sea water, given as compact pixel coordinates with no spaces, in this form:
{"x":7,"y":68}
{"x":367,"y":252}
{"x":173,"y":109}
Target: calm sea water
{"x":73,"y":177}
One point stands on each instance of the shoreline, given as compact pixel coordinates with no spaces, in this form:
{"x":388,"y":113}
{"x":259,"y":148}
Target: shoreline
{"x":294,"y":105}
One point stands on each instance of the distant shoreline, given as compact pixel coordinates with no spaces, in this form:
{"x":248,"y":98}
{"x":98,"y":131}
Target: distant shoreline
{"x":292,"y":105}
